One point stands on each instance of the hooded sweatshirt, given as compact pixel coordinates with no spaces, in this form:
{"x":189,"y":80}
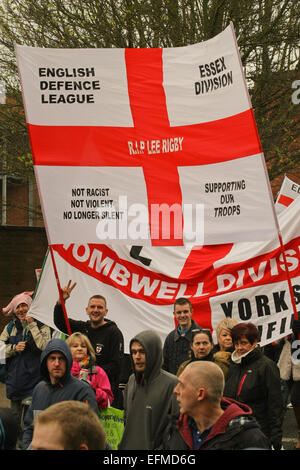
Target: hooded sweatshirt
{"x":236,"y":429}
{"x":46,"y":394}
{"x":107,"y":341}
{"x":148,"y":402}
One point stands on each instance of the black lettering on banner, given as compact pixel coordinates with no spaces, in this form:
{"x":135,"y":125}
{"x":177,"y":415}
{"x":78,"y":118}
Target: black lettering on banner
{"x":282,"y":326}
{"x":91,"y":198}
{"x":83,"y":87}
{"x":296,"y":290}
{"x":77,"y":192}
{"x":228,"y":206}
{"x":66,"y":72}
{"x":135,"y":253}
{"x":227,"y":308}
{"x":262,"y":305}
{"x":213,"y":76}
{"x":279,"y":302}
{"x":271,"y":328}
{"x":67,"y":99}
{"x":244,"y":308}
{"x":295,"y":187}
{"x":225,"y":186}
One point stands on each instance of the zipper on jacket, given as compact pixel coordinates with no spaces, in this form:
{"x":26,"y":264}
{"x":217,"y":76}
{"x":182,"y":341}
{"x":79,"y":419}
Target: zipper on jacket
{"x":241,"y":384}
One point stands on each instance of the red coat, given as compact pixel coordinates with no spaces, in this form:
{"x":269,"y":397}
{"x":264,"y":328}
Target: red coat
{"x":98,"y":379}
{"x":235,"y":429}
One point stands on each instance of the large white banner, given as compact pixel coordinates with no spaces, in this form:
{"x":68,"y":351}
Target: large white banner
{"x":245,"y":281}
{"x":146,"y":147}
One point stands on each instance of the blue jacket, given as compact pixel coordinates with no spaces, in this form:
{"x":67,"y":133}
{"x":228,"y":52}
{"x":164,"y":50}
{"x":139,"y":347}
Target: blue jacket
{"x":45,"y":394}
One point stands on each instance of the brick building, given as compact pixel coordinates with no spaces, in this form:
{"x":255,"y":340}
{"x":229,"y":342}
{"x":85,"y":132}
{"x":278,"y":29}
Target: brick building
{"x":23,"y":241}
{"x":20,"y":203}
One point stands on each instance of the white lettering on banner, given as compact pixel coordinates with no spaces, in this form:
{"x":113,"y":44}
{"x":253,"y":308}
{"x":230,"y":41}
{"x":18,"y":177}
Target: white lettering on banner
{"x":155,"y":146}
{"x":259,"y":290}
{"x":150,"y":286}
{"x":269,"y":268}
{"x":138,"y":284}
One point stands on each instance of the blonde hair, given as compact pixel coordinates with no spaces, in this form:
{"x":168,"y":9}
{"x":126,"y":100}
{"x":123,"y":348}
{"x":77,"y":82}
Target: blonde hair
{"x":225,"y":324}
{"x":79,"y":424}
{"x":84,"y":339}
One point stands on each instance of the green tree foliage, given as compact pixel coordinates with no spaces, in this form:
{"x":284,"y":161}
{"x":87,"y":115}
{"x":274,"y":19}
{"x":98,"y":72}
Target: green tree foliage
{"x":267,"y":34}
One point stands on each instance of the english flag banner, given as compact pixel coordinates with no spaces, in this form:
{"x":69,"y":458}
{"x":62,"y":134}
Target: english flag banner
{"x":148,"y":147}
{"x":289,"y":190}
{"x":245,"y":281}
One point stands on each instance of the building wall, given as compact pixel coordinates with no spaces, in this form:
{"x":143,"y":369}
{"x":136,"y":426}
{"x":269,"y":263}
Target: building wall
{"x":22,"y":204}
{"x":22,"y":250}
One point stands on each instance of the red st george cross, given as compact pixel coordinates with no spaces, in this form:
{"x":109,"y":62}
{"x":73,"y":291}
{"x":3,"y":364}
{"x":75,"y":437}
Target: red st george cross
{"x":205,"y":143}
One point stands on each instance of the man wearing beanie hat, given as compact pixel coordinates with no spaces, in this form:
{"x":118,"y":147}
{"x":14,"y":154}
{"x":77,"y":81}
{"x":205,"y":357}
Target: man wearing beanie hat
{"x":25,"y":338}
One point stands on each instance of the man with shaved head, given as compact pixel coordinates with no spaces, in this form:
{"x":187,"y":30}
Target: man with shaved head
{"x":209,"y":421}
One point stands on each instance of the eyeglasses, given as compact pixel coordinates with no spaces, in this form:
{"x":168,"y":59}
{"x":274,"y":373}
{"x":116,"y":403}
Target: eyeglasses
{"x":201,"y":330}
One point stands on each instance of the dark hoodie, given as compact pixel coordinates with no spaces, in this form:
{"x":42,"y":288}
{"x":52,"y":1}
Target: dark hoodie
{"x":107,"y":341}
{"x":45,"y":394}
{"x":148,"y":402}
{"x":236,"y":429}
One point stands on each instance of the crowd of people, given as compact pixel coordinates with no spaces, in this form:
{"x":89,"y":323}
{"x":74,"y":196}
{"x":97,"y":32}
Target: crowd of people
{"x":190,"y":393}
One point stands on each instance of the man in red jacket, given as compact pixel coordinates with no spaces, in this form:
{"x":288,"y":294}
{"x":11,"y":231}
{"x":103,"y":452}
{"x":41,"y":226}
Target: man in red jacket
{"x":208,"y":421}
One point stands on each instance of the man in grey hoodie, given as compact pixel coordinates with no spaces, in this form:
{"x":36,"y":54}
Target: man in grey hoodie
{"x":148,"y":396}
{"x":58,"y":385}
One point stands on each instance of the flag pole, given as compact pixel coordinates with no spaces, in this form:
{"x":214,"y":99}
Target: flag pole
{"x":62,"y":300}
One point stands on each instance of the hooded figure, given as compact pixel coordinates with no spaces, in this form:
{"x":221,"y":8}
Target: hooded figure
{"x":148,"y":396}
{"x":47,"y":393}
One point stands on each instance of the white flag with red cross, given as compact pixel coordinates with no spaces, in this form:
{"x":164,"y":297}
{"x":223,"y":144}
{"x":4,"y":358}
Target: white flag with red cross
{"x":245,"y":281}
{"x":288,"y":192}
{"x":146,"y":146}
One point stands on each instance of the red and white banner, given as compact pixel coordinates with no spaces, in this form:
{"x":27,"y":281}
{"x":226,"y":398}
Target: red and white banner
{"x":289,"y":191}
{"x":246,"y":281}
{"x":146,"y":146}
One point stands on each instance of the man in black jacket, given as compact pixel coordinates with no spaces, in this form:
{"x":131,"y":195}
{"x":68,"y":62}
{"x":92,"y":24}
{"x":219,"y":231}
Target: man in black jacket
{"x":176,"y":348}
{"x":106,"y":338}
